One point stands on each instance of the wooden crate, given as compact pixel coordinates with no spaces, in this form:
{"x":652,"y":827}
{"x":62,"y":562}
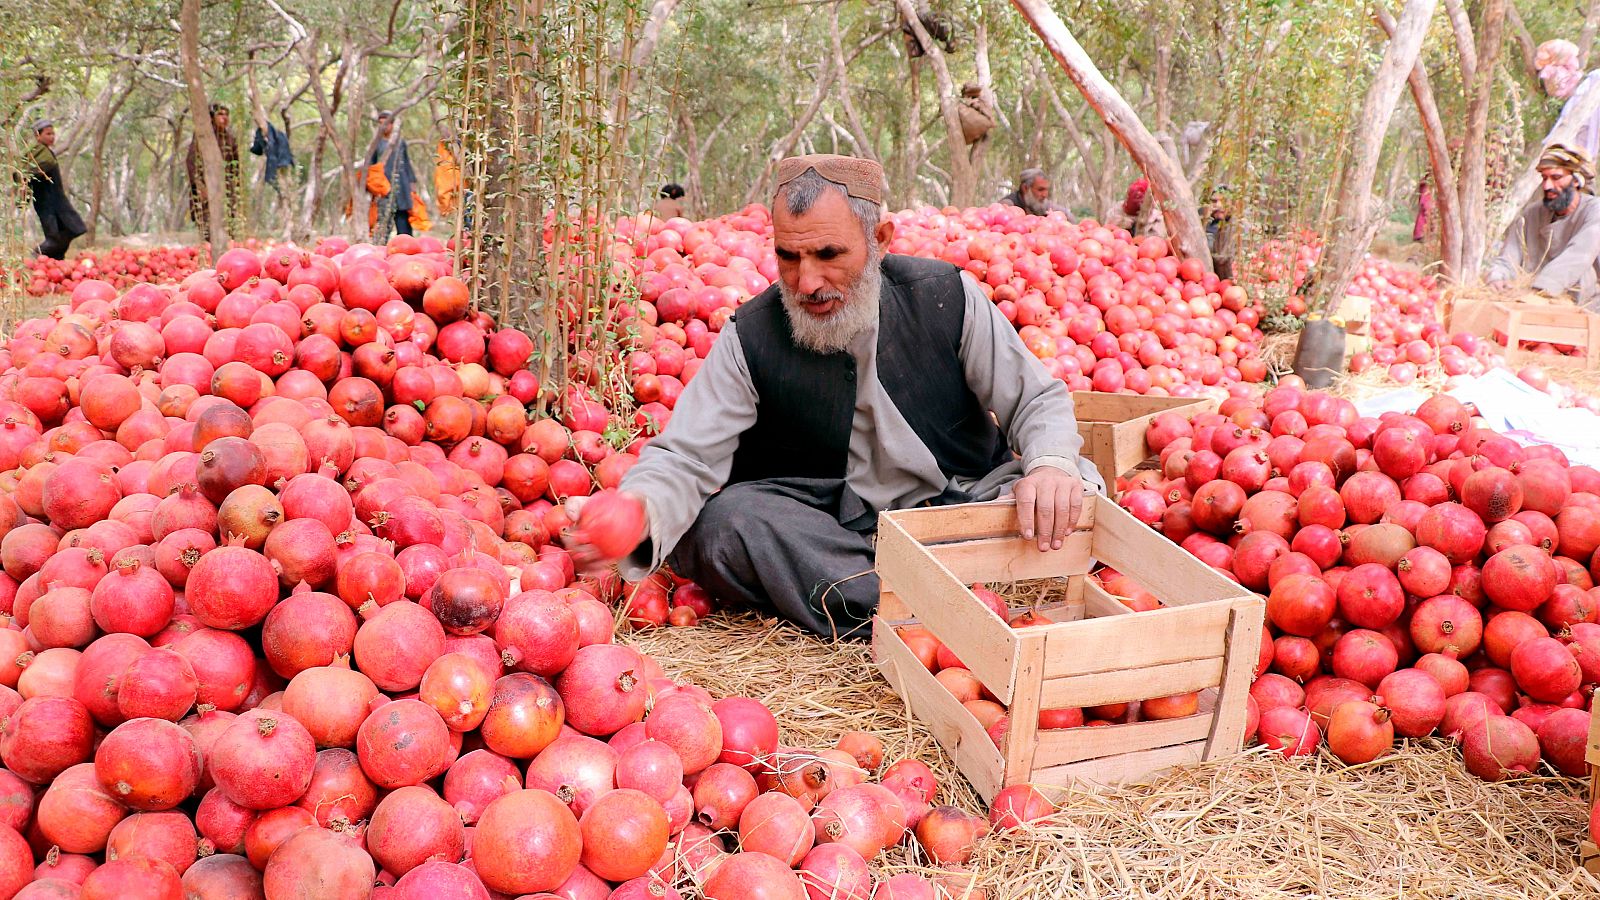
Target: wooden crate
{"x":1537,"y":319}
{"x":1113,"y":427}
{"x":1097,"y":652}
{"x":1588,"y":852}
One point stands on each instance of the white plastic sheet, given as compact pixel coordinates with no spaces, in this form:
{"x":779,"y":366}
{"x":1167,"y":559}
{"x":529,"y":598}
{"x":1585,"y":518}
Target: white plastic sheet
{"x":1512,"y":408}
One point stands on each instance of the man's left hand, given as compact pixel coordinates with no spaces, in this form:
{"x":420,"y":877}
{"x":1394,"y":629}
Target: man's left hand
{"x":1048,"y":503}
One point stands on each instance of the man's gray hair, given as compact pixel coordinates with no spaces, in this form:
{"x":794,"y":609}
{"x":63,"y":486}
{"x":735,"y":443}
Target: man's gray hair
{"x":1029,"y":176}
{"x":799,"y":195}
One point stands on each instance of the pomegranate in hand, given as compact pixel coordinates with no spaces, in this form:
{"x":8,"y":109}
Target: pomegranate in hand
{"x":610,"y":524}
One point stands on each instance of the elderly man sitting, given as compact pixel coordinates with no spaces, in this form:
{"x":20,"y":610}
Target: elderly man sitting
{"x":859,"y":382}
{"x":1557,"y":237}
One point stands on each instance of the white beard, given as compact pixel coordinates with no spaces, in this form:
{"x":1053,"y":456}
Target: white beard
{"x":857,"y":311}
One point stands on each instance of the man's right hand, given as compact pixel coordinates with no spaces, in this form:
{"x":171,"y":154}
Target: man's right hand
{"x":586,"y":558}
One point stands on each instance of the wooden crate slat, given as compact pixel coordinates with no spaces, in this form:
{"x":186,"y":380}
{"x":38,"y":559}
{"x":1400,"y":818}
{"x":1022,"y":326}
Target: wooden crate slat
{"x":1098,"y":602}
{"x":1132,"y":684}
{"x":1589,"y":856}
{"x":1098,"y":406}
{"x":1175,"y":634}
{"x":1592,"y":753}
{"x":952,"y":726}
{"x":1007,"y":559}
{"x":1123,"y":542}
{"x":943,"y":603}
{"x":966,"y":521}
{"x":1058,"y":747}
{"x":1022,"y":727}
{"x":1124,"y":768}
{"x":1243,"y":646}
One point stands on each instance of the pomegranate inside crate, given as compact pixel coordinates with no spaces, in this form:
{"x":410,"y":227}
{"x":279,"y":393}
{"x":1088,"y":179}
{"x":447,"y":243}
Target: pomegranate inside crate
{"x":1002,"y":685}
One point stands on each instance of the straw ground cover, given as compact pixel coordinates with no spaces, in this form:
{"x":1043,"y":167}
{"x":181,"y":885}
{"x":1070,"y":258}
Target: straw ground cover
{"x":1413,"y":825}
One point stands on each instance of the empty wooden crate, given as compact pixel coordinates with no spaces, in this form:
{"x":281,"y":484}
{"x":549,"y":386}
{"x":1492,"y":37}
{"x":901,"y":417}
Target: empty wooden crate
{"x":1537,"y":320}
{"x":1096,"y":652}
{"x":1113,"y":427}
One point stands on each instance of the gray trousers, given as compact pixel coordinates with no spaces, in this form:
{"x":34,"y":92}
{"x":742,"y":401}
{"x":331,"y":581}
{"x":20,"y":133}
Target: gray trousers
{"x":778,"y":545}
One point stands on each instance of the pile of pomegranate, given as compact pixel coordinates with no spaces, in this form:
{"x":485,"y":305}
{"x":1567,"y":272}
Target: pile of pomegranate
{"x":1102,"y":310}
{"x":1422,"y":573}
{"x":120,"y":266}
{"x":285,"y":616}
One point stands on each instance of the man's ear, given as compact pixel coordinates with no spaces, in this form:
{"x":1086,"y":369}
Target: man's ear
{"x":884,"y":232}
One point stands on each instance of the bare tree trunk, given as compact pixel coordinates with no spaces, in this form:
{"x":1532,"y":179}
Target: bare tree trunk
{"x":1591,"y":24}
{"x":845,"y":102}
{"x":1106,"y":181}
{"x":649,"y":36}
{"x":1178,"y":205}
{"x":980,"y":61}
{"x":204,"y":135}
{"x":1474,"y":154}
{"x":1163,"y":80}
{"x":1466,"y":47}
{"x":97,"y":181}
{"x":178,"y":192}
{"x":1355,"y":219}
{"x":911,"y":154}
{"x":352,"y":159}
{"x":963,"y":180}
{"x":1444,"y":174}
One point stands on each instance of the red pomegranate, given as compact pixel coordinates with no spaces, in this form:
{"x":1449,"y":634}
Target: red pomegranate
{"x":263,"y":760}
{"x":403,"y":742}
{"x":412,"y":826}
{"x":1545,"y":670}
{"x":526,"y":841}
{"x":1497,"y":747}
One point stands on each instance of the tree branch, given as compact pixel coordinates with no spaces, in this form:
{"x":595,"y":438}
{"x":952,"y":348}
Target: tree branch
{"x":1466,"y":49}
{"x":1591,"y":23}
{"x":1519,"y":30}
{"x":1178,"y":205}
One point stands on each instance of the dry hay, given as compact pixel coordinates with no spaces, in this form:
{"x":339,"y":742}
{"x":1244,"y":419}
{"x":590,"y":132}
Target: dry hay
{"x":1277,"y":351}
{"x":1253,"y":827}
{"x":1375,"y":380}
{"x":1256,"y":826}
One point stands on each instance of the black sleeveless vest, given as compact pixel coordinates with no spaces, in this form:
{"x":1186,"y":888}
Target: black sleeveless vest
{"x":806,"y":400}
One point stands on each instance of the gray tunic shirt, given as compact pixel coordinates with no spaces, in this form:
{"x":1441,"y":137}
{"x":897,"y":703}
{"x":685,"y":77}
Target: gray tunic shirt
{"x":1563,"y":253}
{"x":888,"y":465}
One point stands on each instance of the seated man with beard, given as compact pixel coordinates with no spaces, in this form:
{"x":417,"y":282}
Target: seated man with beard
{"x":859,"y":382}
{"x":1557,"y":237}
{"x":1032,"y":194}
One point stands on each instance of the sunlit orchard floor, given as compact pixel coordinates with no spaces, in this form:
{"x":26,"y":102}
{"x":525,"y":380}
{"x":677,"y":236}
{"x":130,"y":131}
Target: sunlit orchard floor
{"x":1412,"y":825}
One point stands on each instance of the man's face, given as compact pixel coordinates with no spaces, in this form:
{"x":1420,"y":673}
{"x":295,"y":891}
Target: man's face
{"x":1038,"y":190}
{"x":821,"y":253}
{"x":1555,"y":180}
{"x":1559,"y":185}
{"x":385,"y":125}
{"x":47,"y":135}
{"x":219,"y":119}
